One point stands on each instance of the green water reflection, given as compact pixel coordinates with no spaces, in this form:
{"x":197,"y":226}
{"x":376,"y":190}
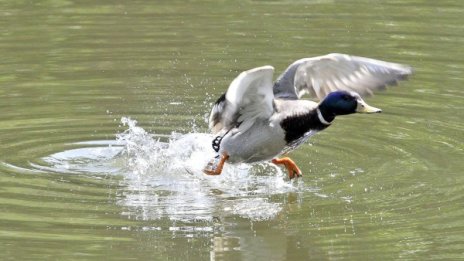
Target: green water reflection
{"x":384,"y":186}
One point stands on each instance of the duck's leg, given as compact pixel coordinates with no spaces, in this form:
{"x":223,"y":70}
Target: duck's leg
{"x":290,"y":165}
{"x":215,"y":165}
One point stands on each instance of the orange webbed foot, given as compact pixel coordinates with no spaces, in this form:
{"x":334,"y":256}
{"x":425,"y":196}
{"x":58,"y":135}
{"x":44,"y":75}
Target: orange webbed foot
{"x":290,"y":165}
{"x":215,"y":165}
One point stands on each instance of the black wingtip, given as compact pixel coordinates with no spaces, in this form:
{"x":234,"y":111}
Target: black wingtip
{"x":221,"y":99}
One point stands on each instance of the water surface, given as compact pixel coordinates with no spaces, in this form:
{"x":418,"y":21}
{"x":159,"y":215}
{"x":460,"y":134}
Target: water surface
{"x":103,"y":132}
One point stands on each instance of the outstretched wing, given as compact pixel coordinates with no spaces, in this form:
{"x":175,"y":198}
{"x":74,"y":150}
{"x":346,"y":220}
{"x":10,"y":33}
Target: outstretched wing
{"x":248,"y":97}
{"x":322,"y":75}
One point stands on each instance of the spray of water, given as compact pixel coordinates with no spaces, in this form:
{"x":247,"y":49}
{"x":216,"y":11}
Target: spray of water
{"x":164,"y":179}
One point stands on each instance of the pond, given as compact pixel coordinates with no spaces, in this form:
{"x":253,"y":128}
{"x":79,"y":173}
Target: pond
{"x":103,"y":132}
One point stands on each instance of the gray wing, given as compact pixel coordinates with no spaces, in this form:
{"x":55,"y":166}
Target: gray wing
{"x":322,"y":75}
{"x":248,"y":98}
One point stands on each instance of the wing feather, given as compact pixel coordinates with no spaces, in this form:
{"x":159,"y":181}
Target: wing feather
{"x":248,"y":98}
{"x":318,"y":76}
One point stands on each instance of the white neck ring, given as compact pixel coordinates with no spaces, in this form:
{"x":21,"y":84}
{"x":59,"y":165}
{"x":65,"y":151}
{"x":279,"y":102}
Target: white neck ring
{"x":321,"y":118}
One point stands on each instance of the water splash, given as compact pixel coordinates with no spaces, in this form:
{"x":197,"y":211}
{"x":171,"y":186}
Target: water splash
{"x":165,"y":179}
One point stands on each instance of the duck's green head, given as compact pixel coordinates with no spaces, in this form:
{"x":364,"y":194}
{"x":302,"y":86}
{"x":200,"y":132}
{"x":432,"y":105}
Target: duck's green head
{"x":343,"y":102}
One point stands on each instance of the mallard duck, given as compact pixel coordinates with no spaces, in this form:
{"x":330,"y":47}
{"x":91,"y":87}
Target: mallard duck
{"x":259,"y":120}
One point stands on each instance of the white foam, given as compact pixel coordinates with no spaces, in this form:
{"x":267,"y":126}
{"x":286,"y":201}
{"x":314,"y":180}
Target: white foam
{"x":165,"y":179}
